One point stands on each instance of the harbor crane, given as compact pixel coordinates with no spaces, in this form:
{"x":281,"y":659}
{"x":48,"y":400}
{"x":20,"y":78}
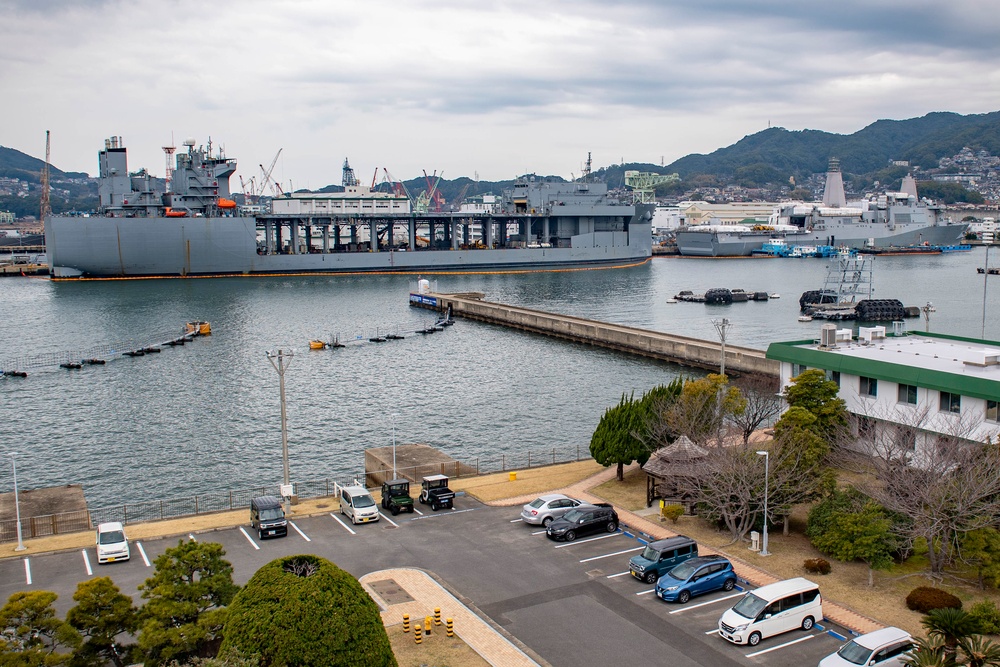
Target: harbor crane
{"x":643,"y":184}
{"x":431,"y":198}
{"x":275,"y":187}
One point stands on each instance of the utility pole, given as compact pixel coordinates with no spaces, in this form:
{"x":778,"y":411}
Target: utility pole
{"x":280,"y":359}
{"x":722,"y":326}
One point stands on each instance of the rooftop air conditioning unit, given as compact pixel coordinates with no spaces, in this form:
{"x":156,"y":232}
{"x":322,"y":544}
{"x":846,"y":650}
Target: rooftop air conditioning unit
{"x":828,"y":336}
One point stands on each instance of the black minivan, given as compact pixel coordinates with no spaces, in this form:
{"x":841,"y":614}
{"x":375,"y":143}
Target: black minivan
{"x":267,"y":517}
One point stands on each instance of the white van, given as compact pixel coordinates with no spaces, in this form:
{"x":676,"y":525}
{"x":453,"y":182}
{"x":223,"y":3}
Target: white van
{"x":112,"y":545}
{"x":771,"y":610}
{"x":358,"y":504}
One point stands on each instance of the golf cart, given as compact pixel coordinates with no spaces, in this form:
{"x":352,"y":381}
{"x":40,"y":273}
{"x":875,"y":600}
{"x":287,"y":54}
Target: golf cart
{"x":396,"y":496}
{"x":434,"y":491}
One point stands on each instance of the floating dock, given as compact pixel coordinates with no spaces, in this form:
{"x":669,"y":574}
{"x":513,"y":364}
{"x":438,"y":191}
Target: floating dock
{"x":644,"y":342}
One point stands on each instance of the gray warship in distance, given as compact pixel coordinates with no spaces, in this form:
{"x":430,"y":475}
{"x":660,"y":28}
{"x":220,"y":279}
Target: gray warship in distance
{"x":196,"y":229}
{"x":891,"y":219}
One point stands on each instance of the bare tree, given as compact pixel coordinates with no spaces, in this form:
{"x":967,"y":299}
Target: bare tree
{"x":929,"y":467}
{"x":761,"y":403}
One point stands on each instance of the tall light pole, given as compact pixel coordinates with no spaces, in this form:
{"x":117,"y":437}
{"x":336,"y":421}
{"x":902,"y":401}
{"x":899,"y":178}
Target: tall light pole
{"x":986,"y":277}
{"x":722,"y":326}
{"x":280,"y":359}
{"x":17,"y":505}
{"x":767,"y":461}
{"x":393,"y":418}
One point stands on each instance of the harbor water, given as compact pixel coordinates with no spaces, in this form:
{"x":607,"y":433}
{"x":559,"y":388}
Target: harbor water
{"x":205,"y":417}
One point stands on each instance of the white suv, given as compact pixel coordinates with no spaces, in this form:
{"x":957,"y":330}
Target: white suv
{"x":112,"y":544}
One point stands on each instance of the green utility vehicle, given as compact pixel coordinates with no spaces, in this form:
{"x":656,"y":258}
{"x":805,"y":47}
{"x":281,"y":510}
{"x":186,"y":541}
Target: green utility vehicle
{"x":396,"y":496}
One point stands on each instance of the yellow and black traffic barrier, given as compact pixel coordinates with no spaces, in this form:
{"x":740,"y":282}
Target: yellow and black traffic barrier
{"x":406,"y":622}
{"x":437,"y":615}
{"x":416,"y":634}
{"x":427,"y":625}
{"x":449,"y":627}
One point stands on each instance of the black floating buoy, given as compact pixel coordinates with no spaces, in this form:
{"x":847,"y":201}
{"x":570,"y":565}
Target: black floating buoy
{"x":16,"y":374}
{"x":71,"y":365}
{"x":394,"y":337}
{"x":94,"y":362}
{"x":151,"y":350}
{"x":134,"y":353}
{"x":377,"y":339}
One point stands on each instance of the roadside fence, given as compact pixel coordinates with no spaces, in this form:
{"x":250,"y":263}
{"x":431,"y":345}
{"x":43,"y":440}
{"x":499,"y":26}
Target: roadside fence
{"x":158,"y":510}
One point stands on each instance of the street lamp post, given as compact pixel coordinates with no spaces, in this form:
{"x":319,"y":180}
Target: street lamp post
{"x":722,"y":326}
{"x":986,"y":277}
{"x":393,"y":418}
{"x":767,"y":461}
{"x":17,"y":505}
{"x":280,"y":359}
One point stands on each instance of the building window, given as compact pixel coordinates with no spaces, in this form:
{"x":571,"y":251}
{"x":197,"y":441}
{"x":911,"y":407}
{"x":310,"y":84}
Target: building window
{"x":906,"y":438}
{"x":798,"y":369}
{"x":951,"y":402}
{"x":833,"y":376}
{"x":993,"y":411}
{"x":907,"y":394}
{"x":869,"y":386}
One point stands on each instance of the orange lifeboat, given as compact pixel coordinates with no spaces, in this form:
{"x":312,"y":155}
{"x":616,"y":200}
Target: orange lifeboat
{"x":226,"y":203}
{"x":171,"y":213}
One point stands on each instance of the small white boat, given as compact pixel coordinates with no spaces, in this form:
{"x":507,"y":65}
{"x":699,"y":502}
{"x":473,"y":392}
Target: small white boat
{"x":805,"y":318}
{"x":671,"y":300}
{"x":775,"y":296}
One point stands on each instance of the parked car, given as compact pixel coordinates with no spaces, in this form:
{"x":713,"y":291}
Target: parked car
{"x":660,"y":556}
{"x":543,"y":510}
{"x":771,"y":610}
{"x":583,"y":520}
{"x":434,"y":491}
{"x":267,"y":517}
{"x":702,"y":574}
{"x":112,"y":544}
{"x":358,"y":505}
{"x":883,"y":648}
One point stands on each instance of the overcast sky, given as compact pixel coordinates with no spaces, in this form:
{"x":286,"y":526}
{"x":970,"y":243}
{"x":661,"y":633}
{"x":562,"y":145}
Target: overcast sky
{"x":464,"y":87}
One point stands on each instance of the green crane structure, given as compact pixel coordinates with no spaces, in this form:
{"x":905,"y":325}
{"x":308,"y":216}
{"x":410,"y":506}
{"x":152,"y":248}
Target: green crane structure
{"x":643,"y":184}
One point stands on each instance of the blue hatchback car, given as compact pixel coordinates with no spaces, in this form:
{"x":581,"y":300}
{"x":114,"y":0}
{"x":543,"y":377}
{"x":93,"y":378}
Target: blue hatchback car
{"x":694,"y":577}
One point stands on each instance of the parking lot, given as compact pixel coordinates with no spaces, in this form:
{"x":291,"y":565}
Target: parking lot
{"x":572,"y":603}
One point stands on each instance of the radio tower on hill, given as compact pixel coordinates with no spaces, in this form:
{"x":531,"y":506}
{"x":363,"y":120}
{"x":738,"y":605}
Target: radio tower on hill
{"x":169,"y":173}
{"x":45,"y":204}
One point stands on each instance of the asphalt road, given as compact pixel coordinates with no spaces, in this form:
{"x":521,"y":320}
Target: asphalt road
{"x":573,"y":604}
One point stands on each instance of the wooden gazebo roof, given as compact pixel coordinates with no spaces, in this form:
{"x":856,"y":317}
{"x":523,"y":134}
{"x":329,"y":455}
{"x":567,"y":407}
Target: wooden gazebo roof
{"x":682,"y":458}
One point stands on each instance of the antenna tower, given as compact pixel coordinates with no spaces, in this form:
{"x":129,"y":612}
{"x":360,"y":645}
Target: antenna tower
{"x":46,"y":205}
{"x":349,"y":178}
{"x":169,"y":153}
{"x":586,"y":169}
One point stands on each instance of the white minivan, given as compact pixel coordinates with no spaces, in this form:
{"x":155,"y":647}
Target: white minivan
{"x":771,"y":610}
{"x":112,"y":545}
{"x":358,"y":504}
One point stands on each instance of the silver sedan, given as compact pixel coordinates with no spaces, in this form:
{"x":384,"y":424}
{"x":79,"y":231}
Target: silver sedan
{"x":544,"y":509}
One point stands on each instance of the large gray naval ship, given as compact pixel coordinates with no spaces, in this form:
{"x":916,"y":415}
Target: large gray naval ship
{"x":891,"y":219}
{"x":196,"y":229}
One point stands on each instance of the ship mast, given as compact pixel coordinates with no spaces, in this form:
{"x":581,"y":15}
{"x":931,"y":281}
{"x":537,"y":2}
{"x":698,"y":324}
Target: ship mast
{"x":169,"y":173}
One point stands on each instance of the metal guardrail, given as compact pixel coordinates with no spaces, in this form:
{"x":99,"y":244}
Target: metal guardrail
{"x":173,"y":508}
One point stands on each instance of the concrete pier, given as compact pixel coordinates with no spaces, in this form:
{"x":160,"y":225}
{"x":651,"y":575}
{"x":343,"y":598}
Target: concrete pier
{"x":655,"y":344}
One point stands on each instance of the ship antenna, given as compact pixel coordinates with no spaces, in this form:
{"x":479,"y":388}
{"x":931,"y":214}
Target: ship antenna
{"x":169,"y":153}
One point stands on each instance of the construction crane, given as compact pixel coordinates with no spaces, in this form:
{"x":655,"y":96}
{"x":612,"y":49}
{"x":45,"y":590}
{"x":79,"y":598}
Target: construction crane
{"x":456,"y":202}
{"x":643,"y":184}
{"x":45,"y":202}
{"x":267,"y":181}
{"x":431,"y":198}
{"x":398,"y":187}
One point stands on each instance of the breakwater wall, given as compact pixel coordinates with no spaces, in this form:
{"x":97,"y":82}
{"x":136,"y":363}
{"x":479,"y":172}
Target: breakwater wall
{"x":655,"y":344}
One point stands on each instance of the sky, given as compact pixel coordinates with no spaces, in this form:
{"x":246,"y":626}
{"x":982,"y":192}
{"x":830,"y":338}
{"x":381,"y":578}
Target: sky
{"x":471,"y":88}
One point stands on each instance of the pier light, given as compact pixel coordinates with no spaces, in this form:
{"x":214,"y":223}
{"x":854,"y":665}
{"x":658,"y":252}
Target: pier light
{"x":767,"y":460}
{"x":280,"y":359}
{"x":17,"y":503}
{"x":392,"y":418}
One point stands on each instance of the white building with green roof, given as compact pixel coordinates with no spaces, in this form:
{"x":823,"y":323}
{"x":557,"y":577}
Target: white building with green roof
{"x":907,"y":391}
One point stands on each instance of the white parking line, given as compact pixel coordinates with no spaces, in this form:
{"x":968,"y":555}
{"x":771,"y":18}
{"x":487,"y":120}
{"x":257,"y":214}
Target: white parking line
{"x":702,"y":604}
{"x":27,"y":572}
{"x":193,"y":538}
{"x":86,"y":562}
{"x":345,"y":526}
{"x":304,"y":536}
{"x":250,"y":540}
{"x":418,"y":511}
{"x":538,"y":532}
{"x":713,"y":632}
{"x":431,"y":516}
{"x":388,"y":519}
{"x":617,"y":553}
{"x":142,"y":552}
{"x":775,"y":648}
{"x":620,"y":574}
{"x":647,"y":592}
{"x":592,"y":539}
{"x":516,"y":520}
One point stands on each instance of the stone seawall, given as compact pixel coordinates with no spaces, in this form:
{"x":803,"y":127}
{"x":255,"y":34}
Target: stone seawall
{"x":667,"y":347}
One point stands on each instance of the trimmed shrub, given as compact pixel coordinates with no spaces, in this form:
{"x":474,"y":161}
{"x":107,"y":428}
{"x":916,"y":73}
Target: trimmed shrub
{"x":672,"y":512}
{"x":817,"y":566}
{"x":987,"y":615}
{"x":927,"y":598}
{"x":305,"y":611}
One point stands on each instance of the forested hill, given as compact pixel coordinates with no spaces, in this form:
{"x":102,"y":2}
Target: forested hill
{"x":15,"y":164}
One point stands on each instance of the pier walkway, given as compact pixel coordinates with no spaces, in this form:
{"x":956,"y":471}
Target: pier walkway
{"x":645,"y":342}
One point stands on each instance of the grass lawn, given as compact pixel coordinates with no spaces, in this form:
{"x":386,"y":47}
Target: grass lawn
{"x":438,"y":649}
{"x":846,"y":584}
